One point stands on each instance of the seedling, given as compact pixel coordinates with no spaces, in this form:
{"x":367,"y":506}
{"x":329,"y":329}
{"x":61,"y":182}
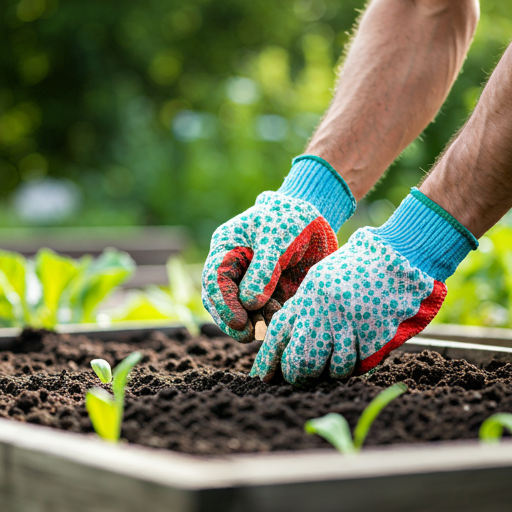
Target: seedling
{"x":335,"y":429}
{"x":491,"y":429}
{"x":102,"y":370}
{"x":106,"y":411}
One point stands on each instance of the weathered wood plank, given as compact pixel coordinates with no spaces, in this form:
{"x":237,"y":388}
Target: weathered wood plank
{"x":473,"y":353}
{"x":469,"y":333}
{"x":150,"y":245}
{"x":486,"y":490}
{"x":42,"y":470}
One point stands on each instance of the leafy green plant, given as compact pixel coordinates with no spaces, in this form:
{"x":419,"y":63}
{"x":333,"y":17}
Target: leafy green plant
{"x":335,"y":429}
{"x":481,"y":289}
{"x":491,"y":429}
{"x":180,"y":301}
{"x":56,"y":289}
{"x":106,"y":411}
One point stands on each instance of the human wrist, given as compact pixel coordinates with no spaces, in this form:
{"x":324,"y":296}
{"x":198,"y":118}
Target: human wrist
{"x":427,"y":235}
{"x":313,"y":180}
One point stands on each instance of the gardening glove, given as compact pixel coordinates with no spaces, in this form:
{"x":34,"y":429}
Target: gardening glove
{"x":379,"y":290}
{"x":259,"y":258}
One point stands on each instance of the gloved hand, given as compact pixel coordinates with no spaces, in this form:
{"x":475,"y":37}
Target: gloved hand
{"x":369,"y":297}
{"x":259,"y":258}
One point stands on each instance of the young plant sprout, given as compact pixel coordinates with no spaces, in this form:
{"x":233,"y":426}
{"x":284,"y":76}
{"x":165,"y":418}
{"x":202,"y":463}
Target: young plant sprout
{"x":491,"y":429}
{"x":102,"y":370}
{"x":105,"y":410}
{"x":335,"y":429}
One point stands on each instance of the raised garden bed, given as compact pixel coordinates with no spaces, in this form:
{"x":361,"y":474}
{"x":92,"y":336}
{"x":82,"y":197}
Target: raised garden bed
{"x":193,"y":396}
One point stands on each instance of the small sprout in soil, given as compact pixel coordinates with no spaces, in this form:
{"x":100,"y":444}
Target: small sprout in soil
{"x":105,"y":410}
{"x":491,"y":429}
{"x":102,"y":370}
{"x":335,"y":429}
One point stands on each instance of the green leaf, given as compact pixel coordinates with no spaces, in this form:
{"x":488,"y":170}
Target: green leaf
{"x":10,"y":304}
{"x":55,"y":273}
{"x":491,"y":429}
{"x":181,"y":286}
{"x":140,"y":307}
{"x":373,"y":409}
{"x":180,"y":302}
{"x":103,"y":413}
{"x":185,"y":292}
{"x":102,"y":276}
{"x":102,"y":370}
{"x":333,"y":428}
{"x":157,"y":304}
{"x":7,"y":315}
{"x":121,"y":373}
{"x":13,"y":275}
{"x":173,"y":309}
{"x":187,"y":319}
{"x":13,"y":265}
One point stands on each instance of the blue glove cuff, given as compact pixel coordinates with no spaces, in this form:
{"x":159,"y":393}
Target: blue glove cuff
{"x":313,"y":180}
{"x":428,"y":236}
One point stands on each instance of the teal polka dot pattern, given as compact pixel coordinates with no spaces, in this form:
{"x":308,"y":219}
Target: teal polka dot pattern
{"x":347,"y":308}
{"x":267,"y":230}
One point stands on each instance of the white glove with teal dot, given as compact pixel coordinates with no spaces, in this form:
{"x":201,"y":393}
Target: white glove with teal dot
{"x":380,"y":289}
{"x":258,"y":259}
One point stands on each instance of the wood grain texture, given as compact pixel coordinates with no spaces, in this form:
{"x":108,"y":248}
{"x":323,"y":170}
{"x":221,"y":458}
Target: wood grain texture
{"x":46,"y":470}
{"x":469,"y":334}
{"x":150,"y":245}
{"x":471,"y":352}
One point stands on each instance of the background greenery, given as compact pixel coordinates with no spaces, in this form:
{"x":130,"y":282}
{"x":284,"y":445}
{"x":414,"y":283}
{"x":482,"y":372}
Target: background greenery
{"x":173,"y":112}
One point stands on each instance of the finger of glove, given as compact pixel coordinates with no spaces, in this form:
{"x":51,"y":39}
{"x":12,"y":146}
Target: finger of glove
{"x":260,"y":279}
{"x":264,"y":273}
{"x":273,"y":270}
{"x":323,"y":242}
{"x":344,"y":355}
{"x":221,"y":277}
{"x":308,"y":352}
{"x":277,"y":337}
{"x":288,"y":284}
{"x":270,"y":309}
{"x":244,"y":336}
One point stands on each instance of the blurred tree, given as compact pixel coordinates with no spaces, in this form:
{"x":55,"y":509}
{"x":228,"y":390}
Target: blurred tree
{"x":182,"y":112}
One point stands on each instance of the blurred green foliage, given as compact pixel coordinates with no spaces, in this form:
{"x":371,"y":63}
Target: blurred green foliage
{"x":182,"y":112}
{"x":172,"y":112}
{"x":179,"y":302}
{"x":480,"y":292}
{"x":53,"y":289}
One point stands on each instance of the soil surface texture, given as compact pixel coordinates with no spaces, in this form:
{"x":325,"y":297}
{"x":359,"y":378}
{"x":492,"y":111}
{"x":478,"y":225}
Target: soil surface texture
{"x":193,"y":394}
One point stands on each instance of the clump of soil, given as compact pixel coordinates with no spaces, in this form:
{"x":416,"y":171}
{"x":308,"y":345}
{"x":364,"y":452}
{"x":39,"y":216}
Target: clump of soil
{"x":193,"y":395}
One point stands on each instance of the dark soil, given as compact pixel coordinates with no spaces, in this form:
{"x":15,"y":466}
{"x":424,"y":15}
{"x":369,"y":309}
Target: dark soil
{"x":193,"y":395}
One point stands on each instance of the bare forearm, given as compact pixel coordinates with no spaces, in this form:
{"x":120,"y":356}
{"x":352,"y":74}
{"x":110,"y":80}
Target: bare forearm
{"x":473,"y":179}
{"x":399,"y":69}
